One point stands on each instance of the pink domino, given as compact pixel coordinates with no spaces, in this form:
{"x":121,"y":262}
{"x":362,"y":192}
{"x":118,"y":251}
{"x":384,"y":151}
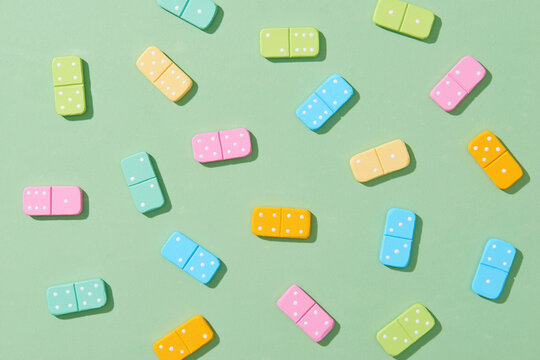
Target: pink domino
{"x":52,"y":200}
{"x":223,"y":145}
{"x":458,"y":83}
{"x":306,"y":313}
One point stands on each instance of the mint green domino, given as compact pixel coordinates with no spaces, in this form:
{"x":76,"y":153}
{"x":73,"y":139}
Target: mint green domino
{"x":91,"y":294}
{"x":274,"y":43}
{"x":404,"y":18}
{"x":304,"y":42}
{"x":137,"y":168}
{"x":200,"y":13}
{"x":389,"y":14}
{"x":68,"y":83}
{"x":61,"y":299}
{"x":147,"y":195}
{"x":404,"y":331}
{"x":175,"y":7}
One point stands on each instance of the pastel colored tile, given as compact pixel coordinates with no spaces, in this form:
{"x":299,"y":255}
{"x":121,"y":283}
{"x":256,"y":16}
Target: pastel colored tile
{"x":295,"y":223}
{"x":37,"y":200}
{"x":458,"y":83}
{"x":61,"y":299}
{"x":207,"y":147}
{"x":395,"y":251}
{"x":68,"y":81}
{"x":137,"y":168}
{"x":335,"y":92}
{"x":505,"y":171}
{"x":485,"y":148}
{"x":171,"y":347}
{"x":203,"y":265}
{"x":389,"y":14}
{"x":164,"y":74}
{"x":147,"y":195}
{"x":314,"y":112}
{"x":468,"y":72}
{"x":200,"y":13}
{"x":393,"y":156}
{"x":417,"y":22}
{"x":235,"y":143}
{"x":195,"y":333}
{"x":316,"y":323}
{"x":175,"y":7}
{"x":304,"y":42}
{"x":91,"y":294}
{"x":266,"y":221}
{"x":493,"y":269}
{"x":306,"y":313}
{"x":66,"y":200}
{"x":366,"y":166}
{"x":400,"y":223}
{"x":274,"y":42}
{"x":448,"y":94}
{"x":67,"y":70}
{"x":406,"y":329}
{"x":179,"y":249}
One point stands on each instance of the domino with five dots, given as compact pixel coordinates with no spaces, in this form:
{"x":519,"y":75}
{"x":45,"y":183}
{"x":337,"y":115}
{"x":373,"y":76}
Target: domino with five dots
{"x":68,"y":85}
{"x":289,"y":42}
{"x":222,"y":145}
{"x":325,"y":102}
{"x":75,"y":297}
{"x":379,"y":161}
{"x":196,"y":12}
{"x":52,"y":200}
{"x":306,"y":313}
{"x":398,"y":237}
{"x":404,"y":18}
{"x":142,"y":181}
{"x":281,"y":222}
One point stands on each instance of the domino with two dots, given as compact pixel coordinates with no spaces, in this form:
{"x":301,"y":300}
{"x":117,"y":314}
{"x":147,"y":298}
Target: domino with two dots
{"x":404,"y":18}
{"x":325,"y":102}
{"x":306,"y":313}
{"x":196,"y":12}
{"x":52,"y":200}
{"x":379,"y":161}
{"x":142,"y":181}
{"x":222,"y":145}
{"x":398,"y":237}
{"x":458,"y":83}
{"x":281,"y":222}
{"x":75,"y":297}
{"x":68,"y":84}
{"x":164,"y":74}
{"x":492,"y":156}
{"x":190,"y":257}
{"x":184,"y":340}
{"x":289,"y":42}
{"x":493,"y":269}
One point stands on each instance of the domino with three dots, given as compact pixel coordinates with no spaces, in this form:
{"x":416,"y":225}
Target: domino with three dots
{"x":379,"y":161}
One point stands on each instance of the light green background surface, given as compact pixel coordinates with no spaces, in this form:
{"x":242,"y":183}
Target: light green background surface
{"x":459,"y":207}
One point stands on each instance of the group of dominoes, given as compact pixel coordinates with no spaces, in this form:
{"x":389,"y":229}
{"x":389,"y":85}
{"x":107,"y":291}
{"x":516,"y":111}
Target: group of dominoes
{"x":397,"y":239}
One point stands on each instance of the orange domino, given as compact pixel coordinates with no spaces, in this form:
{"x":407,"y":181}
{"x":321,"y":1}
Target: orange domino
{"x":496,"y":161}
{"x":281,"y":222}
{"x":184,"y":340}
{"x":164,"y":74}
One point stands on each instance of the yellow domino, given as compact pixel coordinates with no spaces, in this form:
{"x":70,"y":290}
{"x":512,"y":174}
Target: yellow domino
{"x":379,"y":161}
{"x":164,"y":74}
{"x":281,"y":222}
{"x":492,"y":156}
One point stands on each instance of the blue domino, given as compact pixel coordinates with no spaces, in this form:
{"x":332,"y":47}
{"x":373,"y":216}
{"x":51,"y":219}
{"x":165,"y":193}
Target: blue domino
{"x":196,"y":12}
{"x":143,"y":184}
{"x":493,"y":270}
{"x":324,"y":103}
{"x":190,"y":257}
{"x":397,"y":239}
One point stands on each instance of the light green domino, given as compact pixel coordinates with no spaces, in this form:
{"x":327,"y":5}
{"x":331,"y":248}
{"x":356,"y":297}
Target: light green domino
{"x":67,"y":70}
{"x":402,"y":332}
{"x":147,"y":195}
{"x":91,"y":294}
{"x":417,"y":22}
{"x":393,"y":338}
{"x":304,"y":42}
{"x":389,"y":14}
{"x":69,"y":100}
{"x":68,"y":85}
{"x":274,"y":42}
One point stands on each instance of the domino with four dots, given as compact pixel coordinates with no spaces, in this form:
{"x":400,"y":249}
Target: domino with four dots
{"x":52,"y":200}
{"x":398,"y":237}
{"x":68,"y":85}
{"x":75,"y":297}
{"x":379,"y":161}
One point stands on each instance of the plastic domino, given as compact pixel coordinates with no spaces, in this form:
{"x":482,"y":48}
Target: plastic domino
{"x":222,"y":145}
{"x":289,"y":42}
{"x":306,"y":313}
{"x":164,"y":74}
{"x":143,"y":184}
{"x":52,"y":200}
{"x":398,"y":237}
{"x":496,"y":161}
{"x":190,"y":257}
{"x":196,"y":12}
{"x":184,"y":340}
{"x":379,"y":161}
{"x":404,"y":331}
{"x":325,"y":102}
{"x":281,"y":222}
{"x":458,"y":83}
{"x":68,"y":85}
{"x":75,"y":297}
{"x":493,"y":269}
{"x":404,"y":18}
